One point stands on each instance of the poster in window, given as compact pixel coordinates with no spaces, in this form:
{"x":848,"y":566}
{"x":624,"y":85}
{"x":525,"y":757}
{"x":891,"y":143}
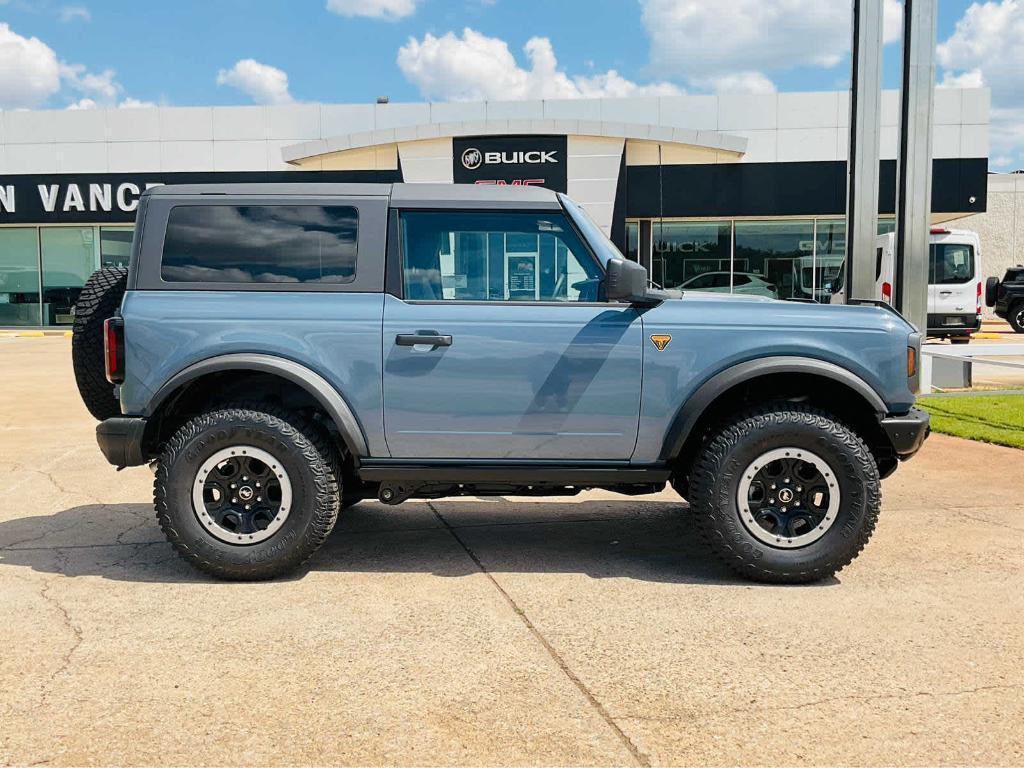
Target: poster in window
{"x":522,"y":277}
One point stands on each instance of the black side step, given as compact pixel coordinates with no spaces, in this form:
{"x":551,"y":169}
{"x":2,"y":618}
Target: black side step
{"x":517,"y":474}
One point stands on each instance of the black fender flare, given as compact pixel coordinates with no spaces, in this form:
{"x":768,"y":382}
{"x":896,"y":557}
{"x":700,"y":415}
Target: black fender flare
{"x":690,"y":411}
{"x":311,"y":381}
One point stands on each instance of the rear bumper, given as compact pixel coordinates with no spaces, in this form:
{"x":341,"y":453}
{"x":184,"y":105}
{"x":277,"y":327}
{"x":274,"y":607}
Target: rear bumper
{"x":907,"y":433}
{"x":966,"y":324}
{"x":120,"y":440}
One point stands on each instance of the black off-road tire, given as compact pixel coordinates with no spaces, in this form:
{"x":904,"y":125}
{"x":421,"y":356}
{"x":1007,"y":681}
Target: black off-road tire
{"x":715,"y":482}
{"x":1016,"y":317}
{"x":100,"y":299}
{"x":305,"y":453}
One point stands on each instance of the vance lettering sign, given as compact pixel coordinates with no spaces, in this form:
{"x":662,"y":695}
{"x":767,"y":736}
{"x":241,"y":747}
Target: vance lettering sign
{"x":109,"y":198}
{"x":516,"y":160}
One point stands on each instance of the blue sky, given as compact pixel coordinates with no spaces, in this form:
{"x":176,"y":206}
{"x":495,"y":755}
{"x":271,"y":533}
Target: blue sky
{"x":235,"y":52}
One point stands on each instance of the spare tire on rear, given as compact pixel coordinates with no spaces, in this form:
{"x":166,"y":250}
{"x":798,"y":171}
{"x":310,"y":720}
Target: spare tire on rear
{"x":991,"y":291}
{"x":100,"y":299}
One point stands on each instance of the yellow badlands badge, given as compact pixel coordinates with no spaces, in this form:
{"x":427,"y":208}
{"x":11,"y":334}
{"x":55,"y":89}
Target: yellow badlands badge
{"x":661,"y":341}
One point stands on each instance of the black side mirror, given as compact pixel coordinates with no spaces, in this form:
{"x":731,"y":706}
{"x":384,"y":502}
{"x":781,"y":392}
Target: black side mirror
{"x":625,"y":281}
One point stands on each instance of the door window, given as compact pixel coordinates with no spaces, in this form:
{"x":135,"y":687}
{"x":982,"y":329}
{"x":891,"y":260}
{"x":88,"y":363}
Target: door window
{"x":950,"y":263}
{"x":465,"y":256}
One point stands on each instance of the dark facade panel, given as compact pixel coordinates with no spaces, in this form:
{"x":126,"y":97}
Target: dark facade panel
{"x":787,"y":189}
{"x":111,"y":198}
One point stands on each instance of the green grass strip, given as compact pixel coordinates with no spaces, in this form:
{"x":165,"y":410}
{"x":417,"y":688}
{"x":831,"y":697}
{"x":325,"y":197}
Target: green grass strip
{"x":997,"y":419}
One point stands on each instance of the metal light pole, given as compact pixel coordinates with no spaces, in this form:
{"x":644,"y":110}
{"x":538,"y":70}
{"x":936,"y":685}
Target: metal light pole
{"x":914,"y":166}
{"x":865,"y":152}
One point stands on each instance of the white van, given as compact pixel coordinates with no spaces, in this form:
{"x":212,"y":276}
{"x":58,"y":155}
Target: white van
{"x":954,"y":286}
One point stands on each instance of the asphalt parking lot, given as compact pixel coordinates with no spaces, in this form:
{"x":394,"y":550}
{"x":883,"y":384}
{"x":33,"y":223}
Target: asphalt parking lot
{"x":595,"y":630}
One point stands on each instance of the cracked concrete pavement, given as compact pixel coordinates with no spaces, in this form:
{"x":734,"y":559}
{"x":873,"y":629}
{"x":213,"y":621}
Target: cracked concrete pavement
{"x":591,"y":631}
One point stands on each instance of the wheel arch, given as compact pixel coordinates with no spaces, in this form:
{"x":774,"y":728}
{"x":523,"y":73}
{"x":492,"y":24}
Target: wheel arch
{"x":315,"y":386}
{"x":778,"y":378}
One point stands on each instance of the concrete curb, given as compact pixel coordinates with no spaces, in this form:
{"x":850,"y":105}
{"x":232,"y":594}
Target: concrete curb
{"x":34,"y":334}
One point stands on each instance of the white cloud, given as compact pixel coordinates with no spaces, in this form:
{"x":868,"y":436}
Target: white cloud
{"x":892,"y":28}
{"x":263,"y":83}
{"x":131,"y":103}
{"x":101,"y":85}
{"x":74,"y":13}
{"x":735,"y":44}
{"x":972,"y":78}
{"x":31,"y":75}
{"x":29,"y":72}
{"x":742,"y":82}
{"x":987,"y":48}
{"x":989,"y":38}
{"x":84,"y":103}
{"x":475,"y":66}
{"x":388,"y":10}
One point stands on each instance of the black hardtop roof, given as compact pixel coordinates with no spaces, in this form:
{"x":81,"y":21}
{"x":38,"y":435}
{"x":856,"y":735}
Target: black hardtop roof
{"x":418,"y":195}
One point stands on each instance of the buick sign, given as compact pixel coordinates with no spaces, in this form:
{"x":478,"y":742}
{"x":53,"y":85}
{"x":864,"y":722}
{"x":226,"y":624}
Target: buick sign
{"x":511,"y":160}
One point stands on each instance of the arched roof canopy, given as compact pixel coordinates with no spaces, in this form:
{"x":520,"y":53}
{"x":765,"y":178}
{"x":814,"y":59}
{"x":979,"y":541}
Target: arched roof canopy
{"x":711,"y":140}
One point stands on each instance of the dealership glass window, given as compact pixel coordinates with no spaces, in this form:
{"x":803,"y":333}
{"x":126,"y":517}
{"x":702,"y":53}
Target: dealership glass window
{"x":686,"y":250}
{"x":115,"y":246}
{"x":69,"y":257}
{"x":830,"y":255}
{"x":495,"y":257}
{"x":633,"y":241}
{"x":774,"y":255}
{"x":19,"y":276}
{"x":260,"y":244}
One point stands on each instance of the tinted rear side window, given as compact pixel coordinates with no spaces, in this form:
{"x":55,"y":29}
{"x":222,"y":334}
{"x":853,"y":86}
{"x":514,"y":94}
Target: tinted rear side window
{"x":260,"y":244}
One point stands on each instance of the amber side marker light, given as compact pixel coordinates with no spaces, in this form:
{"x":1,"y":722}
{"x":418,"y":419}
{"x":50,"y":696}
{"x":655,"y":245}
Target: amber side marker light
{"x":911,"y":362}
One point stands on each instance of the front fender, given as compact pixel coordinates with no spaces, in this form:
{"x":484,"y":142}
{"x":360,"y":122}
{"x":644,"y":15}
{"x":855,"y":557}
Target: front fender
{"x":690,"y":411}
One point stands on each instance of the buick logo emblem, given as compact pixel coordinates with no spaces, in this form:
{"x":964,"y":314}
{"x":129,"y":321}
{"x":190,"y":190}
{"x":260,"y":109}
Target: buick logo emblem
{"x":472,"y":159}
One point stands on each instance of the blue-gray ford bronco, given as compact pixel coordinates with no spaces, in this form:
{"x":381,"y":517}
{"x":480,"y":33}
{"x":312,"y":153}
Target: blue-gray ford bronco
{"x":278,"y":352}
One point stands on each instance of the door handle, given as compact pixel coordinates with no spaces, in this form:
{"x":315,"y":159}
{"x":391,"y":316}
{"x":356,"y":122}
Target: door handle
{"x":945,"y":293}
{"x":432,"y":339}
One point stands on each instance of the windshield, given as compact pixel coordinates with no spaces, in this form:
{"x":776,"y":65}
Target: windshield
{"x":603,"y":247}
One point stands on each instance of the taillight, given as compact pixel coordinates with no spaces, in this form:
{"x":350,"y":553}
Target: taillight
{"x":113,"y":349}
{"x":978,"y":311}
{"x":939,"y":231}
{"x":887,"y":292}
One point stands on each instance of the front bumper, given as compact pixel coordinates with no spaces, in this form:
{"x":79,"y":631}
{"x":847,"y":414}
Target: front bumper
{"x":120,"y":440}
{"x":907,"y":433}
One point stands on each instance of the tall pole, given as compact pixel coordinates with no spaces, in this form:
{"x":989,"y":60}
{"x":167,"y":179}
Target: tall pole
{"x":914,"y":166}
{"x":865,"y":148}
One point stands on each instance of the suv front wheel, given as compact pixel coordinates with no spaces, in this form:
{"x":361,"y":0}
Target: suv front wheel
{"x":786,"y":494}
{"x":245,"y":493}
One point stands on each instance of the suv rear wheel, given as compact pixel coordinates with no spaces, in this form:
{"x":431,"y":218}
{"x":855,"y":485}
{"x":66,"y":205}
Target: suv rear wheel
{"x":786,"y":494}
{"x":247,"y":493}
{"x":1016,"y":317}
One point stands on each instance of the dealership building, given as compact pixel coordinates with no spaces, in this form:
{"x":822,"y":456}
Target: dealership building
{"x":740,"y":193}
